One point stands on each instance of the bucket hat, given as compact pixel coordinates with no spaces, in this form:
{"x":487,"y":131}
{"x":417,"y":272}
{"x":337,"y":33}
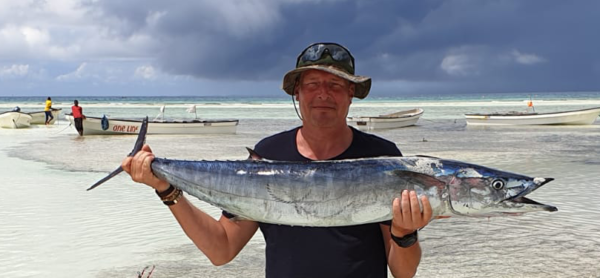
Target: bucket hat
{"x":329,"y":57}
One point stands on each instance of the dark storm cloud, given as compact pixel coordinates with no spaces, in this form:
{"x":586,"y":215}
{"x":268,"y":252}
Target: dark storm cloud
{"x":472,"y":46}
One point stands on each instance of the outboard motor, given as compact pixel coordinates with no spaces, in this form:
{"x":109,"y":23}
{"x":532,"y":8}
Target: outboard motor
{"x":16,"y":109}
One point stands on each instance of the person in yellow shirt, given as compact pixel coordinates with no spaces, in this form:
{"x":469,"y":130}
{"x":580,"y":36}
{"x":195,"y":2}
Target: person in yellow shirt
{"x":48,"y":110}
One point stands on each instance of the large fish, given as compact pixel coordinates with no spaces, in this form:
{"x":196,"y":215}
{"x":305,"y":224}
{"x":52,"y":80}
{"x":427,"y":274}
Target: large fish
{"x":345,"y":192}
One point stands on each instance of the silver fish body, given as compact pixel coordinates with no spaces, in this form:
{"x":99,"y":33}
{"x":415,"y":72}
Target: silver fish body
{"x":344,"y":192}
{"x":349,"y":192}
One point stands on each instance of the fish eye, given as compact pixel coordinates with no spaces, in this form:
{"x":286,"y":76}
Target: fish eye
{"x":498,"y":184}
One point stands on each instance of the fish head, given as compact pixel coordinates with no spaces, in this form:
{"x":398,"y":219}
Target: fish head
{"x":474,"y":190}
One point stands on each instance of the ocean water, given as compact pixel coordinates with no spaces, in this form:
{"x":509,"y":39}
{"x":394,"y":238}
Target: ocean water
{"x":437,"y":107}
{"x":50,"y":226}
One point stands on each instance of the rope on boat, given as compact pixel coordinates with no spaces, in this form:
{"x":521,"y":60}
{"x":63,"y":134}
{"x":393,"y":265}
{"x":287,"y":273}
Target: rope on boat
{"x":63,"y":129}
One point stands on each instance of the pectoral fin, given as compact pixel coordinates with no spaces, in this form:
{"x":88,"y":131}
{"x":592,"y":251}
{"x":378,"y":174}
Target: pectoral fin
{"x":412,"y":178}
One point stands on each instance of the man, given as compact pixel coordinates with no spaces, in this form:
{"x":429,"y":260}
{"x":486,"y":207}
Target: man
{"x":324,"y":84}
{"x":78,"y":117}
{"x":48,"y":111}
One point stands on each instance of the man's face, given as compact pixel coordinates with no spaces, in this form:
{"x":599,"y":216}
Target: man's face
{"x":324,"y":98}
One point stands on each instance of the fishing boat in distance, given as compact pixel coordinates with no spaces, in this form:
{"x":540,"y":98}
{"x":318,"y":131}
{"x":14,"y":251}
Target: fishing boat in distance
{"x":112,"y":126}
{"x":39,"y":117}
{"x":573,"y":117}
{"x":393,"y":120}
{"x":14,"y":119}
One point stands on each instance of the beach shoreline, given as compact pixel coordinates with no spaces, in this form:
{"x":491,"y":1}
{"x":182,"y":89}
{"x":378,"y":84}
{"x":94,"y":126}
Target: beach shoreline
{"x":118,"y":229}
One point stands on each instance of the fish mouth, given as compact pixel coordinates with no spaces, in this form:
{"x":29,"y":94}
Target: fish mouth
{"x":522,"y":200}
{"x":537,"y":183}
{"x":544,"y":181}
{"x":532,"y":203}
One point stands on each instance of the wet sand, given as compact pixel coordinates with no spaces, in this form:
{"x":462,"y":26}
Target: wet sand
{"x":52,"y":227}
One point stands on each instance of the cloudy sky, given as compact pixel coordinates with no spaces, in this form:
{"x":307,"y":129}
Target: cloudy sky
{"x":244,"y":47}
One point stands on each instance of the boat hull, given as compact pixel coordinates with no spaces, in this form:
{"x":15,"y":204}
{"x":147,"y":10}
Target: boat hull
{"x":39,"y":117}
{"x":15,"y":120}
{"x":574,"y":117}
{"x":395,"y":120}
{"x":93,"y":126}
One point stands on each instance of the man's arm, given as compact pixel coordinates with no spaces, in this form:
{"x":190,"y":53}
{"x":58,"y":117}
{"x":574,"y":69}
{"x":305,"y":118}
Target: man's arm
{"x":403,"y":262}
{"x":220,"y":240}
{"x":407,"y":218}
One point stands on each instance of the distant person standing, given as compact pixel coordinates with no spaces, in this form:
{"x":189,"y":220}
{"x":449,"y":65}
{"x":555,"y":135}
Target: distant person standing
{"x":48,"y":110}
{"x":78,"y":117}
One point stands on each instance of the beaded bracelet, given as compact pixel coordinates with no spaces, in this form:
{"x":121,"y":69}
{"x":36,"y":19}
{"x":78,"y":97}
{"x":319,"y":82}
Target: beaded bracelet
{"x":174,"y":198}
{"x":170,"y":196}
{"x":165,"y":193}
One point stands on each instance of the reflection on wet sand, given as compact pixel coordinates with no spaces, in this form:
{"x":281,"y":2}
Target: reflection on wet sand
{"x":53,"y":227}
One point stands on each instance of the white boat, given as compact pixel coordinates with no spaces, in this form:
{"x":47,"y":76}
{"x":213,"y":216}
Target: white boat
{"x":111,"y":126}
{"x":393,"y":120}
{"x":573,"y":117}
{"x":12,"y":119}
{"x":39,"y":117}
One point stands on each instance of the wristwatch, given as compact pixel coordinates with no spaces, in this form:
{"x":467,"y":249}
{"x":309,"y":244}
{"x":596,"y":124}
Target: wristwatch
{"x":405,"y":241}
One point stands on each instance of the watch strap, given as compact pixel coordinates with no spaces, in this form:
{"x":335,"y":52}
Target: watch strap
{"x":405,"y":241}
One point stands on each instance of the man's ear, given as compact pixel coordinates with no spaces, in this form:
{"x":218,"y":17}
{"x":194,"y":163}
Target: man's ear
{"x":296,"y":92}
{"x":352,"y":90}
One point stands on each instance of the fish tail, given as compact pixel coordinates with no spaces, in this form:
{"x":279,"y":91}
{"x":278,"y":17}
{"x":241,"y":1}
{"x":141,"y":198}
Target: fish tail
{"x":139,"y":143}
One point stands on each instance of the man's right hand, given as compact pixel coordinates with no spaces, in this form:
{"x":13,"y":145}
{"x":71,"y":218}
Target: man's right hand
{"x":138,"y":167}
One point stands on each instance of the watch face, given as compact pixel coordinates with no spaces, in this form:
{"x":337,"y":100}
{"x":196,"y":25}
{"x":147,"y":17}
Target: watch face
{"x":407,"y":240}
{"x":410,"y":240}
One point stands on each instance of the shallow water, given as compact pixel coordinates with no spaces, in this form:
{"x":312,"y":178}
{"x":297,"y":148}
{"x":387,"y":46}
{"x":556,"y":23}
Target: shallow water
{"x":51,"y":226}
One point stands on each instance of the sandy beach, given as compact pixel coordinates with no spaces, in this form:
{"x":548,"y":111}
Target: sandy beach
{"x":52,"y":227}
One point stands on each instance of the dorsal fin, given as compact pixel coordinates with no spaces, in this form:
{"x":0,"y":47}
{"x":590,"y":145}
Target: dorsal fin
{"x":252,"y":155}
{"x":426,"y":156}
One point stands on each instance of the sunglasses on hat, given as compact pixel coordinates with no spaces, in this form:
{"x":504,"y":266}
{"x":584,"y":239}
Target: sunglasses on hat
{"x":326,"y":54}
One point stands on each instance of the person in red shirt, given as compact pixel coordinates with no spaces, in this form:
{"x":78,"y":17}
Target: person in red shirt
{"x":78,"y":117}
